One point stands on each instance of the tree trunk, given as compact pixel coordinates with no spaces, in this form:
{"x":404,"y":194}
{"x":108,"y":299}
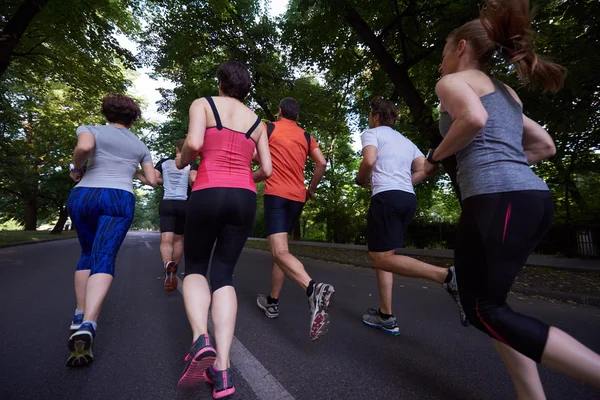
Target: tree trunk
{"x":62,"y":219}
{"x":15,"y":28}
{"x":398,"y":74}
{"x":30,"y":212}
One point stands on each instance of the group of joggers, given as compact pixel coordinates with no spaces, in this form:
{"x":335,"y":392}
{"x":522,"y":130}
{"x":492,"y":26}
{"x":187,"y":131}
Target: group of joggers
{"x":506,"y":208}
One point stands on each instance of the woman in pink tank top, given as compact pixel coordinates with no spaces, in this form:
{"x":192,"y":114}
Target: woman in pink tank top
{"x":221,"y":208}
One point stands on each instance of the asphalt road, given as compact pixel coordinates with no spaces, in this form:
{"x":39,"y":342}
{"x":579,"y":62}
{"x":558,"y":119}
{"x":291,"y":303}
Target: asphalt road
{"x":143,"y":336}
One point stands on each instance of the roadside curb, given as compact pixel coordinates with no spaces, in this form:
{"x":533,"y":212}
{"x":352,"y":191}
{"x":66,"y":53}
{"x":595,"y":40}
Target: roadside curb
{"x":16,"y":244}
{"x":560,"y":296}
{"x":516,"y":289}
{"x":536,"y":261}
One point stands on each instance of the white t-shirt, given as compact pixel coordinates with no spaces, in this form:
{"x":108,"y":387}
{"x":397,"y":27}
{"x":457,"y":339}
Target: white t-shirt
{"x":395,"y":154}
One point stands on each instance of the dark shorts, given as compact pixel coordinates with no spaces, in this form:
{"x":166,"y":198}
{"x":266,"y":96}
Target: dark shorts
{"x":390,"y":213}
{"x":281,"y":214}
{"x":172,"y":216}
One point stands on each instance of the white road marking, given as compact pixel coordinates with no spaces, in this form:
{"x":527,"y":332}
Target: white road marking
{"x":148,"y":245}
{"x":264,"y":385}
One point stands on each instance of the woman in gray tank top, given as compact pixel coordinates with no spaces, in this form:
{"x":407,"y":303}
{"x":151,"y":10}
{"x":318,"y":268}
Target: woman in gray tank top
{"x":507,"y":209}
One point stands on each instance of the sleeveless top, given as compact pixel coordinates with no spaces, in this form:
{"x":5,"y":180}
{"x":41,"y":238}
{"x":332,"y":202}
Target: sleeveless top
{"x":495,"y":161}
{"x":226,"y":157}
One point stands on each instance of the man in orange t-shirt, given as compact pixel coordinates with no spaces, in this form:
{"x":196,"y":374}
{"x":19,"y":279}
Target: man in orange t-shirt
{"x":285,"y":195}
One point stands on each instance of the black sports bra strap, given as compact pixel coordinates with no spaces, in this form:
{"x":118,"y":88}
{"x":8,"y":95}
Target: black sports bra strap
{"x":258,"y":121}
{"x":215,"y":112}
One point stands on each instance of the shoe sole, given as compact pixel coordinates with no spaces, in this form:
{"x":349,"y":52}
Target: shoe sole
{"x":171,"y":280}
{"x":319,"y":325}
{"x":196,"y":371}
{"x":220,"y":394}
{"x":461,"y":312}
{"x":393,"y":332}
{"x":80,"y":346}
{"x":266,"y":310}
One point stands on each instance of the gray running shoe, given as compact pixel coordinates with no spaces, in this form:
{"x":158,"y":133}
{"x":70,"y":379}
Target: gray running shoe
{"x":374,"y":320}
{"x":271,"y":310}
{"x":318,"y":303}
{"x":452,"y":289}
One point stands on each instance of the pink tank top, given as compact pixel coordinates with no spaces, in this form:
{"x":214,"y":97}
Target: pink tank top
{"x":226,"y":157}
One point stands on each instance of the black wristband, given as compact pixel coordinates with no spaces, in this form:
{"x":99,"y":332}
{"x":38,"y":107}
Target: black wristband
{"x":430,"y":159}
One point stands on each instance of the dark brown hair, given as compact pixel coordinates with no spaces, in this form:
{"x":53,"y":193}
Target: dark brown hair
{"x":386,"y":110}
{"x":290,"y":108}
{"x":505,"y":26}
{"x":120,"y":109}
{"x":179,"y":144}
{"x":234,"y":79}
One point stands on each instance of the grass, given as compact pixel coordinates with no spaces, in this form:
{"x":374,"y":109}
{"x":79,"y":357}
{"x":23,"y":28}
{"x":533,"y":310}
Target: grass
{"x":26,"y":236}
{"x":542,"y":279}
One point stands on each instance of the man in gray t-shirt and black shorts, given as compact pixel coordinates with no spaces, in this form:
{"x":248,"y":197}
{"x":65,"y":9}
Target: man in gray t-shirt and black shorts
{"x":391,"y":165}
{"x":177,"y":186}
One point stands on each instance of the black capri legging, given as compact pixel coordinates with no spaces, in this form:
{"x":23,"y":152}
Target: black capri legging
{"x":222,"y":214}
{"x":497,"y":232}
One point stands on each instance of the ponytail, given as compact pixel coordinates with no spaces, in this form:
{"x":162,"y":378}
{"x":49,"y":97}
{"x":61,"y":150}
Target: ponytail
{"x":508,"y":26}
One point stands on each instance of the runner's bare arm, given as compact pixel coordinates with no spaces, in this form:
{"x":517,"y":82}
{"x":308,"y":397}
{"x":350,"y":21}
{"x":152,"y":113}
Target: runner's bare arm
{"x":195,"y":137}
{"x":363,"y":177}
{"x":320,"y":165}
{"x":264,"y":156}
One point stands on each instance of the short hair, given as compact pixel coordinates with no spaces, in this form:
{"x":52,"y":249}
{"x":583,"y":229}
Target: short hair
{"x":234,"y":79}
{"x":120,"y":109}
{"x":386,"y":110}
{"x":290,"y":108}
{"x":179,"y":144}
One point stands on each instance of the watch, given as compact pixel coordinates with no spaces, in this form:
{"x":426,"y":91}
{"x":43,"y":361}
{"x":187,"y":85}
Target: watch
{"x":430,"y":159}
{"x":72,"y":167}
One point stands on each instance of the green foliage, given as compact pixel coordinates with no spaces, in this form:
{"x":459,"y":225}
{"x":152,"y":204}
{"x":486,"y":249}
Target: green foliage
{"x":66,"y":61}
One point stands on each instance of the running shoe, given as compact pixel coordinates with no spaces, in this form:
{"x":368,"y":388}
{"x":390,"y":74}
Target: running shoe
{"x":201,"y":356}
{"x":318,"y":303}
{"x":80,"y":345}
{"x":76,"y":322}
{"x":452,"y":289}
{"x":222,"y":381}
{"x":171,"y":281}
{"x":271,"y":310}
{"x":373,"y":319}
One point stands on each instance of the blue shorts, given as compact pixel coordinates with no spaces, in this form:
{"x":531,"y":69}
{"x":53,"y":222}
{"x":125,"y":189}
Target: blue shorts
{"x":102,"y":217}
{"x":281,"y":214}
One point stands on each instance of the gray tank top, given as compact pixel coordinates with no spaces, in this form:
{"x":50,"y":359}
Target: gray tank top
{"x":495,"y":161}
{"x":175,"y":181}
{"x":115,"y":158}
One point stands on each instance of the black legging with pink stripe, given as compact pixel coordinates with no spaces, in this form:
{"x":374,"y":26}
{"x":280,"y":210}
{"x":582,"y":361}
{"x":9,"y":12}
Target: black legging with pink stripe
{"x":497,"y":233}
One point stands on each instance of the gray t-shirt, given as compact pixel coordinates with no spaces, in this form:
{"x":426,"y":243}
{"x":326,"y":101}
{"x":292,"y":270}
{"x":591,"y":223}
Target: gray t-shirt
{"x":495,"y":161}
{"x":175,"y":181}
{"x":115,"y":158}
{"x":395,"y":154}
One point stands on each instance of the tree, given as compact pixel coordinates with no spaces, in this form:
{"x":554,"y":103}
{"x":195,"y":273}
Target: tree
{"x":63,"y":64}
{"x":15,"y":27}
{"x":398,"y":38}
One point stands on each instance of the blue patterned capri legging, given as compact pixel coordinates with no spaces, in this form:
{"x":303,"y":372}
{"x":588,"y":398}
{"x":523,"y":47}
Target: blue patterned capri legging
{"x":102,"y":217}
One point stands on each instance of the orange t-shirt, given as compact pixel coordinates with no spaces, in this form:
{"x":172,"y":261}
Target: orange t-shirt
{"x":287,"y":145}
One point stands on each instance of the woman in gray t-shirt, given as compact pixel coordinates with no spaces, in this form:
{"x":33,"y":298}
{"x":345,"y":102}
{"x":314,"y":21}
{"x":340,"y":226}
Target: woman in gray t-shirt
{"x":101,"y":207}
